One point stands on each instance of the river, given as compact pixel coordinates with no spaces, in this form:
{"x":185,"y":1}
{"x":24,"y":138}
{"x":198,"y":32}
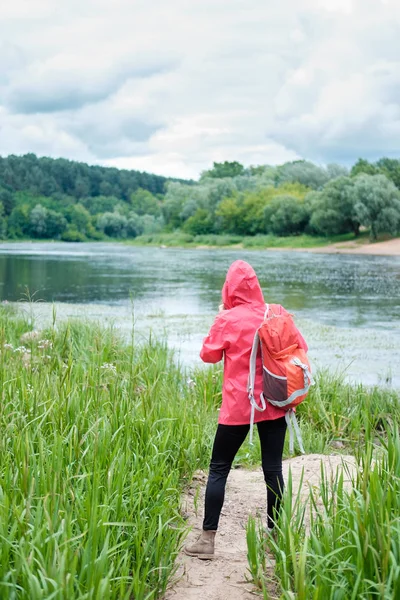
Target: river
{"x":347,"y":306}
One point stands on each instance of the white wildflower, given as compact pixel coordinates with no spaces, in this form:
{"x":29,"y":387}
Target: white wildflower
{"x":21,"y":350}
{"x":109,"y":367}
{"x":8,"y":347}
{"x":29,"y":388}
{"x":45,"y":344}
{"x":26,"y":360}
{"x":30,"y":336}
{"x":191,"y":383}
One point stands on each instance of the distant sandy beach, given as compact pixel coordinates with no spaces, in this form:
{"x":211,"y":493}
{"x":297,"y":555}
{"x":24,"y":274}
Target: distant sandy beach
{"x":388,"y":248}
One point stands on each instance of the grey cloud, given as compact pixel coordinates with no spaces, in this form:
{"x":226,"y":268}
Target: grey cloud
{"x":120,"y":148}
{"x":115,"y":138}
{"x":56,"y":91}
{"x":110,"y":129}
{"x":260,"y":83}
{"x":371,"y":139}
{"x":12,"y":59}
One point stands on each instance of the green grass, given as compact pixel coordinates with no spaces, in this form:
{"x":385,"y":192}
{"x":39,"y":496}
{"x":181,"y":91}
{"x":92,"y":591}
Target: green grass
{"x":180,"y":239}
{"x":351,"y":548}
{"x":98,"y":439}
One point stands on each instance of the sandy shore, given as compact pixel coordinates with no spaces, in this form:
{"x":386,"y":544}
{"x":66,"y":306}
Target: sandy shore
{"x":388,"y":248}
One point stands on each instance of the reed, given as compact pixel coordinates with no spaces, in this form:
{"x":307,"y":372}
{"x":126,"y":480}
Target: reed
{"x":351,"y":547}
{"x":97,"y":440}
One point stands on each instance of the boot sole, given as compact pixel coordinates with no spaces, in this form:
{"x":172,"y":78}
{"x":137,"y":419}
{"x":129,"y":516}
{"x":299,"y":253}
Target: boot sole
{"x":199,"y":555}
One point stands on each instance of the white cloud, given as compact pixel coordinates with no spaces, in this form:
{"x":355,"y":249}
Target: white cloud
{"x":171,"y":87}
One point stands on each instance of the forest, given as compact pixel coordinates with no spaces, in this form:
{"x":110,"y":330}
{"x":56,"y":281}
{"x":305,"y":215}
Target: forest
{"x":44,"y":198}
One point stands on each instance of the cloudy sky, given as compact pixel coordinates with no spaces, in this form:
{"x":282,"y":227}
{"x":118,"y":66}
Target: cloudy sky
{"x":171,"y":86}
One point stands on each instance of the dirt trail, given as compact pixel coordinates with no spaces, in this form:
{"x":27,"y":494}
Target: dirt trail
{"x":226,"y":577}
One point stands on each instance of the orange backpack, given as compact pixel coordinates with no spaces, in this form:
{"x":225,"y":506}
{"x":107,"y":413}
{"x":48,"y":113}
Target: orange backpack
{"x":286,"y":369}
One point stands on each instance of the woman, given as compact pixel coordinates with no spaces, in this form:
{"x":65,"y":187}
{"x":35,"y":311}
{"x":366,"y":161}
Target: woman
{"x":231,"y":337}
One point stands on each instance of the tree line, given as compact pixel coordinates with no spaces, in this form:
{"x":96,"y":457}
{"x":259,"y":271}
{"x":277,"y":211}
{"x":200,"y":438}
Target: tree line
{"x":60,"y":199}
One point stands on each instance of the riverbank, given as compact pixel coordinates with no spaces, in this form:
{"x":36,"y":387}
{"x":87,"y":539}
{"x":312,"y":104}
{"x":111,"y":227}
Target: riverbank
{"x":385,"y":248}
{"x":344,"y":244}
{"x":341,"y":244}
{"x":95,"y":461}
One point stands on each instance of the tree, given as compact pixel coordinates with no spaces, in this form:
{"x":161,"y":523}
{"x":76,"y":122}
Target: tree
{"x":286,"y":215}
{"x":303,"y":172}
{"x":100,"y":204}
{"x":81,"y":187}
{"x":56,"y":224}
{"x":391,"y":168}
{"x":151,"y":224}
{"x":326,"y":221}
{"x":7,"y":198}
{"x":254,"y":205}
{"x":113,"y":224}
{"x":229,"y":214}
{"x":333,"y":209}
{"x":377,"y":204}
{"x":134,"y":225}
{"x":364,"y":166}
{"x":19,"y":222}
{"x":3,"y":223}
{"x":262,"y":170}
{"x":46,"y":223}
{"x":200,"y":223}
{"x":48,"y":176}
{"x":334,"y":171}
{"x":38,"y":221}
{"x":79,"y":217}
{"x":243,"y":213}
{"x":225,"y":169}
{"x":144,"y":203}
{"x":176,"y":197}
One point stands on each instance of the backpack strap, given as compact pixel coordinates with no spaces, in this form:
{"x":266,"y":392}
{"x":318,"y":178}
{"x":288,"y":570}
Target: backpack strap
{"x":266,"y":311}
{"x":294,"y":431}
{"x":252,"y":378}
{"x":253,"y":360}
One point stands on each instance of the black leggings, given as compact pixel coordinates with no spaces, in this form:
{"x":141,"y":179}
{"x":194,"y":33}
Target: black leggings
{"x":228,"y":440}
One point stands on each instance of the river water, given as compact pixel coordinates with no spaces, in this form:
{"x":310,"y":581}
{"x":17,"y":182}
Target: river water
{"x":347,"y":306}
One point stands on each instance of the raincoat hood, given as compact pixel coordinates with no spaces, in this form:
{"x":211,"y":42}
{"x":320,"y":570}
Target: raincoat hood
{"x":241,"y":286}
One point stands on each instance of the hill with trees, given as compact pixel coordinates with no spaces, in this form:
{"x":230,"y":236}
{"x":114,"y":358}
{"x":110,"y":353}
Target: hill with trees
{"x":44,"y":198}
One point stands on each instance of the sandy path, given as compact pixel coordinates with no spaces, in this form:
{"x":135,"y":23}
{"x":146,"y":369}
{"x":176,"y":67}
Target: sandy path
{"x":226,"y":577}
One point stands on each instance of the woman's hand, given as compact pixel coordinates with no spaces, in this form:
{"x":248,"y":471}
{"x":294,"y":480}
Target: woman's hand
{"x":221,"y":307}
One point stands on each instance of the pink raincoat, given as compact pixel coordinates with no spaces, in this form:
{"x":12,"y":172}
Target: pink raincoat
{"x":231,"y":337}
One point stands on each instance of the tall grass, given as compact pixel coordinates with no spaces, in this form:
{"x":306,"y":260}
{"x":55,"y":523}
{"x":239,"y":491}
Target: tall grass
{"x":180,"y":238}
{"x":97,"y":439}
{"x":351,"y":548}
{"x":336,"y":411}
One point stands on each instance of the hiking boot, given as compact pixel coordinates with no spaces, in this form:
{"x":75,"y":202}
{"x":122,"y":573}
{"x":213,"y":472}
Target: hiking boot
{"x":204,"y":547}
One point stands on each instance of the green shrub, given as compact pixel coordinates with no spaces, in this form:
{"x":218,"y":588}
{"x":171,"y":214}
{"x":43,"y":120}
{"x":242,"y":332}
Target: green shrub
{"x":72,"y":235}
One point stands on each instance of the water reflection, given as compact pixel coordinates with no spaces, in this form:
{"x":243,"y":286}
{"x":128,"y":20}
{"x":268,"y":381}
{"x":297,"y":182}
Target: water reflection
{"x":347,"y":306}
{"x":337,"y":290}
